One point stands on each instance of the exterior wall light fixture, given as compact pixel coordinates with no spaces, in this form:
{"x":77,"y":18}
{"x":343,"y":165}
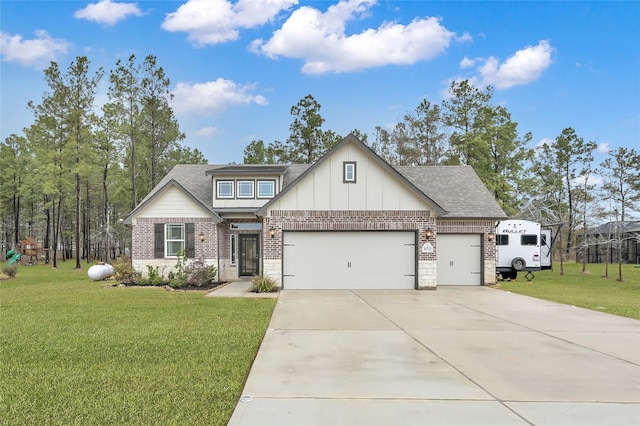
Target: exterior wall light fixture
{"x":201,"y":235}
{"x":272,"y":232}
{"x":428,"y":233}
{"x":491,"y":236}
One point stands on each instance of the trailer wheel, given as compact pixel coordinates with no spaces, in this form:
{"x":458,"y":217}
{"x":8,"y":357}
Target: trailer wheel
{"x":518,"y":264}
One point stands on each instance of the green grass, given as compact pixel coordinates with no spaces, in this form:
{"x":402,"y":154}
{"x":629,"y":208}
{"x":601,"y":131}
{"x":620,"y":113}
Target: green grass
{"x":588,"y":290}
{"x":75,"y":352}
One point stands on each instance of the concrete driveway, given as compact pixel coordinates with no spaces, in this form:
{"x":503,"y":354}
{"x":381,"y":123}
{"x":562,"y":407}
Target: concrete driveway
{"x":455,"y":356}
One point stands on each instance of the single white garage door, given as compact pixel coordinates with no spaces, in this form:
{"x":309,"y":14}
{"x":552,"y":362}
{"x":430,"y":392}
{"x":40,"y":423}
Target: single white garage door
{"x":349,"y":260}
{"x":459,"y":259}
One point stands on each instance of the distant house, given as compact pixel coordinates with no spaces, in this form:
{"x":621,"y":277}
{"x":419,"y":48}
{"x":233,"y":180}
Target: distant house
{"x":348,"y":221}
{"x":602,"y":241}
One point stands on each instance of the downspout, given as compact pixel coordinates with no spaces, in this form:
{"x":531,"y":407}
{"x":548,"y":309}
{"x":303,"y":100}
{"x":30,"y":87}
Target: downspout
{"x":262,"y":243}
{"x":218,"y":251}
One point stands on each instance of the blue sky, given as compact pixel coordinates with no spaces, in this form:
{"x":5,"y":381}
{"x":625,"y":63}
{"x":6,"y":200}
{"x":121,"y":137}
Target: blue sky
{"x":237,"y":67}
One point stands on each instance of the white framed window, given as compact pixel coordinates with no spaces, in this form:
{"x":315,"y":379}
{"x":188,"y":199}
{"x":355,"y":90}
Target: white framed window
{"x":225,"y":189}
{"x":266,"y":188}
{"x":245,"y":189}
{"x":174,"y":239}
{"x":233,"y":248}
{"x":349,"y":172}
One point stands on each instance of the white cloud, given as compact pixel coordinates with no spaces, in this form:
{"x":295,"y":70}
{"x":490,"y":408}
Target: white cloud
{"x":604,"y":147}
{"x":321,"y":41}
{"x":108,"y":12}
{"x":212,"y":97}
{"x":38,"y":52}
{"x":467,"y":62}
{"x":523,"y":67}
{"x":206,"y":131}
{"x":218,"y":21}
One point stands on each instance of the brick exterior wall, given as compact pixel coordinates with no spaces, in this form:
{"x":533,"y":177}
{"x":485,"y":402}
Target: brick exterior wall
{"x":347,"y":220}
{"x":142,"y":242}
{"x":484,"y":227}
{"x":228,"y":271}
{"x":418,"y":220}
{"x":309,"y":220}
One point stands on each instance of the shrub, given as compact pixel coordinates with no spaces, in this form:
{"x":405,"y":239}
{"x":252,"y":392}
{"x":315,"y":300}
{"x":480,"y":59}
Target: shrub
{"x":262,"y":284}
{"x":155,"y":277}
{"x":124,"y":273}
{"x":199,"y":273}
{"x":177,"y":281}
{"x":10,"y":270}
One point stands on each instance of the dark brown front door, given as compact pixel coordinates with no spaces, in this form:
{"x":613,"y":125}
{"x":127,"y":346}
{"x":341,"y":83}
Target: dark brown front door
{"x":249,"y":248}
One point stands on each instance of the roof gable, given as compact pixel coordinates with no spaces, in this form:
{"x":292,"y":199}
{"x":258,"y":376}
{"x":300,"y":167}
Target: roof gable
{"x":162,"y":189}
{"x":320,"y":167}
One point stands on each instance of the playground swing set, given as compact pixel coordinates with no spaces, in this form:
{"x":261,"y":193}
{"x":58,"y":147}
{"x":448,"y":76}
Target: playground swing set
{"x":25,"y":254}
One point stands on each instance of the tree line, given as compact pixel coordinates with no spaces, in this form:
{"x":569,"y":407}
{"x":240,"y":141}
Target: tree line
{"x":553,"y":183}
{"x":80,"y":167}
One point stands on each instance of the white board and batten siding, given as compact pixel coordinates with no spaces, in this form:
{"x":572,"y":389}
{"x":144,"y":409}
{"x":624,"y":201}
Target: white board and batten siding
{"x":173,"y":202}
{"x":349,"y":260}
{"x":459,"y":259}
{"x":376,"y":188}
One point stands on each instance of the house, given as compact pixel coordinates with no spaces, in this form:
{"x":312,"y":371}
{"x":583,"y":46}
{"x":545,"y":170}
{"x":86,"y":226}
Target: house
{"x":350,"y":220}
{"x":611,"y":239}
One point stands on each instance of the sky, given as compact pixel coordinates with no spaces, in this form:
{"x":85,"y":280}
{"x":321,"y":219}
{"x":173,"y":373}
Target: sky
{"x":237,"y":67}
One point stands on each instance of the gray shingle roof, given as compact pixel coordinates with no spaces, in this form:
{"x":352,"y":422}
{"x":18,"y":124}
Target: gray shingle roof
{"x":268,"y":169}
{"x":192,"y":178}
{"x":458,"y":189}
{"x":612,"y":227}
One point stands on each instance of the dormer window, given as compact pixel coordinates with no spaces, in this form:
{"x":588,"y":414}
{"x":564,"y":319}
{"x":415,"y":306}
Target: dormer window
{"x":225,"y":189}
{"x":349,"y":172}
{"x":245,"y":189}
{"x":266,"y":188}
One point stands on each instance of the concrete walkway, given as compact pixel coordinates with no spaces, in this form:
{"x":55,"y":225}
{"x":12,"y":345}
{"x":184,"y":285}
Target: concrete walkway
{"x":238,"y":289}
{"x":455,"y":356}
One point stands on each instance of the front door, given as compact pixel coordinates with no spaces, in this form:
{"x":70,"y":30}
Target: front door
{"x":249,"y":248}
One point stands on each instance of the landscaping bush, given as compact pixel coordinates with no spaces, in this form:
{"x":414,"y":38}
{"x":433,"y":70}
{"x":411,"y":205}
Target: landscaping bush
{"x":10,"y":270}
{"x":177,"y":280}
{"x":262,"y":284}
{"x":155,"y":277}
{"x":199,"y":273}
{"x":124,"y":273}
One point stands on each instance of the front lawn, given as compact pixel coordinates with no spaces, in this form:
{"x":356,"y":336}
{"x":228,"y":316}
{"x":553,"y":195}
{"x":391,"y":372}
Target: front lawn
{"x":73,"y":351}
{"x":588,"y":290}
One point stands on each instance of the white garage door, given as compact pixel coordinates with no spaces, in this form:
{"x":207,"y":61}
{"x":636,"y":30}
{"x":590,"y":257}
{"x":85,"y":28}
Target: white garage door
{"x":459,"y":259}
{"x":349,"y":260}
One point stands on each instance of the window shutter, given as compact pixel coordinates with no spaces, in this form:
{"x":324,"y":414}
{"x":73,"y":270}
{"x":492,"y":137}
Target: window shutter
{"x":189,"y":240}
{"x":158,"y":242}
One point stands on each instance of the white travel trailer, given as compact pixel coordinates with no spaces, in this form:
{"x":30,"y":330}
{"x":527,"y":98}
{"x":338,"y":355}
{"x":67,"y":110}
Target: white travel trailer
{"x":522,"y":246}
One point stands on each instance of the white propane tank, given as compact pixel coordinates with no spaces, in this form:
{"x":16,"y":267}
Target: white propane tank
{"x":100,"y":272}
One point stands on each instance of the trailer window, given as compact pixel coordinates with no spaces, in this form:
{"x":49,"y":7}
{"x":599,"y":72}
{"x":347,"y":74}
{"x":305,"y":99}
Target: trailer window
{"x":529,"y":240}
{"x":502,"y":240}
